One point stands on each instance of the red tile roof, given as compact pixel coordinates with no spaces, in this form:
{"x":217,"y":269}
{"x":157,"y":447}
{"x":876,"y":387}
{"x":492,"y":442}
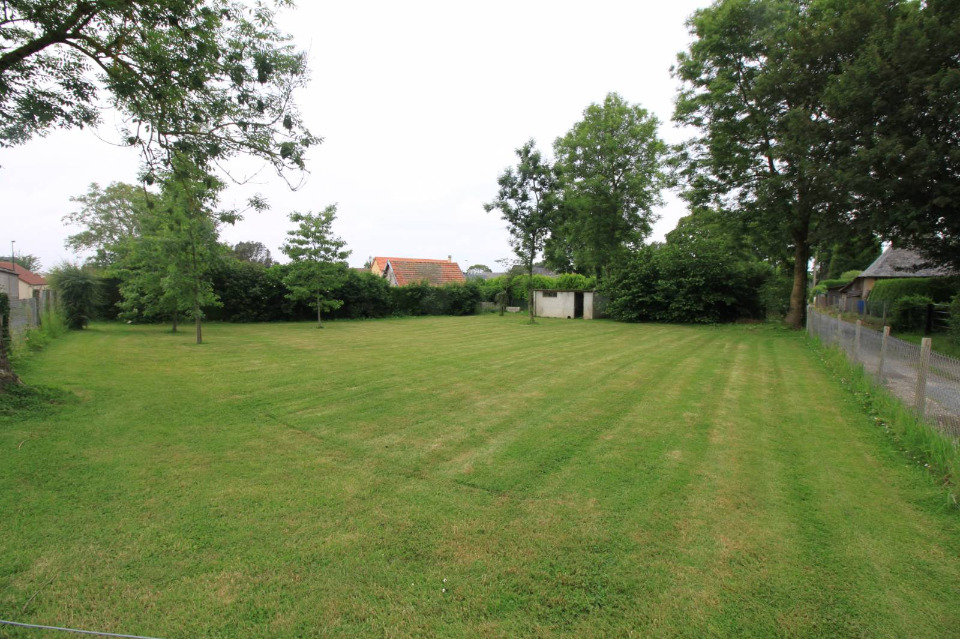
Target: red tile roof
{"x":434,"y":272}
{"x":28,"y":277}
{"x":380,"y":263}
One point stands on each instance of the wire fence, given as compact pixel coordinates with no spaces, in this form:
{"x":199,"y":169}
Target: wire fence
{"x":925,"y":380}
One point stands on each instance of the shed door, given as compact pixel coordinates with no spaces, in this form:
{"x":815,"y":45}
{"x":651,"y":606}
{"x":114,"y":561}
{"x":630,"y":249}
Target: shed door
{"x":578,"y":306}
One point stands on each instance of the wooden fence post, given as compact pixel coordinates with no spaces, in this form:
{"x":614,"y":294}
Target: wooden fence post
{"x":883,"y":352}
{"x":810,"y":320}
{"x":920,"y":399}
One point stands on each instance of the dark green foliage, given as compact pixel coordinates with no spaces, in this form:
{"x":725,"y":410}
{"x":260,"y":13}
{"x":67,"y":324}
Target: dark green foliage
{"x":364,"y":295}
{"x":909,"y":313}
{"x":20,"y":401}
{"x":423,"y":299}
{"x":248,"y":292}
{"x":775,"y":295}
{"x":698,"y":282}
{"x":938,"y":289}
{"x":79,"y":294}
{"x":5,"y":316}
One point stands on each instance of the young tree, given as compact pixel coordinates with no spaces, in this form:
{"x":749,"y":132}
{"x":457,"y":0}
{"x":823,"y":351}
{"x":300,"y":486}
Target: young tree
{"x":611,"y":168}
{"x":208,"y":79}
{"x":527,"y":201}
{"x":318,"y":260}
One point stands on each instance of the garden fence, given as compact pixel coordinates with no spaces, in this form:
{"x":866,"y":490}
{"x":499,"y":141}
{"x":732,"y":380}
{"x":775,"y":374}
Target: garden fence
{"x":28,"y":313}
{"x":925,"y":380}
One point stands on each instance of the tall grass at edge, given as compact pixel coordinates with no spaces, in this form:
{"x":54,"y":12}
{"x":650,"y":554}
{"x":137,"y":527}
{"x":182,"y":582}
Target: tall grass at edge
{"x":916,"y":437}
{"x":52,"y":325}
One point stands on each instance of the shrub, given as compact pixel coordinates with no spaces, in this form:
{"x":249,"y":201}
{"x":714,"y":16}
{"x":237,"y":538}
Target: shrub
{"x":79,"y":291}
{"x":686,"y":281}
{"x":954,"y":325}
{"x":909,"y":313}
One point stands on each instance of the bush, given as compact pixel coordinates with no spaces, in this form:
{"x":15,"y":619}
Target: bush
{"x":79,"y":292}
{"x":909,"y":313}
{"x":954,"y":325}
{"x":691,"y":280}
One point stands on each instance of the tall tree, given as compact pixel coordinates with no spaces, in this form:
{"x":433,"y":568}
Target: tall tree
{"x":611,"y":167}
{"x":527,"y":201}
{"x":208,"y":79}
{"x":109,"y":217}
{"x":317,"y":260}
{"x":897,"y":107}
{"x":754,"y":81}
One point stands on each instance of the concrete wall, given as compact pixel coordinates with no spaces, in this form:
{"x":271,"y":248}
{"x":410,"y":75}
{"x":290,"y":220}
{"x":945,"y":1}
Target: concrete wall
{"x":10,"y":284}
{"x":563,"y":305}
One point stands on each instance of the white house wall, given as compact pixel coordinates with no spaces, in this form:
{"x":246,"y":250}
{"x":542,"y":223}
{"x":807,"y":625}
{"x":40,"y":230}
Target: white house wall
{"x":560,"y":306}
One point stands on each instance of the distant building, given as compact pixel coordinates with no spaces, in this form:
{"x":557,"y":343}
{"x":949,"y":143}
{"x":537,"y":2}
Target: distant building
{"x":564,"y":304}
{"x":892,"y":263}
{"x":28,"y":281}
{"x":400,"y":271}
{"x":9,"y":282}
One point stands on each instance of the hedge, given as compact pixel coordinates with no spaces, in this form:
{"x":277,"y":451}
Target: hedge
{"x":939,"y":289}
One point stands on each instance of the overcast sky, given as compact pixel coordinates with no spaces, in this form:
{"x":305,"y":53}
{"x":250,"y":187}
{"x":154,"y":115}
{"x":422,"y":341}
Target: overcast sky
{"x":420,"y":104}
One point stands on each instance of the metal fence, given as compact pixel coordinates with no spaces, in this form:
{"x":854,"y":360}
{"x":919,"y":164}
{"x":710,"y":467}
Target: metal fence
{"x":925,"y":380}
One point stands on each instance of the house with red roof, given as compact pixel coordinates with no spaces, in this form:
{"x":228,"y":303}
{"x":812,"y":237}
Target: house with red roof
{"x":28,"y":280}
{"x":400,"y":271}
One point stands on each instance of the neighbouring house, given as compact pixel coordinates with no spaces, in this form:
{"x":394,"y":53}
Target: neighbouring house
{"x":401,"y":271}
{"x":892,"y":263}
{"x":9,"y":282}
{"x":564,"y":304}
{"x":29,"y":283}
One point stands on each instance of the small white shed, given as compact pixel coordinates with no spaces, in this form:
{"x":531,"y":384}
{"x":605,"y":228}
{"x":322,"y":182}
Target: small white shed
{"x":564,"y":304}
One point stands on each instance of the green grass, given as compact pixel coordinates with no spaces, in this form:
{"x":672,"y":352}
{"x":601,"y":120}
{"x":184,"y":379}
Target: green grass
{"x":940,"y":342}
{"x":565,"y":479}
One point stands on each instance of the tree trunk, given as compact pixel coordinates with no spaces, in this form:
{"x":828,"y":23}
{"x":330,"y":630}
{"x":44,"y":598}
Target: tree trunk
{"x":175,"y":318}
{"x":530,"y":291}
{"x":798,"y":295}
{"x":196,"y":309}
{"x":319,"y":322}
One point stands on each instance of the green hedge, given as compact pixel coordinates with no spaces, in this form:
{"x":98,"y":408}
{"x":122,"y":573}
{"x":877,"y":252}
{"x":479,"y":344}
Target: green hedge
{"x":939,"y":289}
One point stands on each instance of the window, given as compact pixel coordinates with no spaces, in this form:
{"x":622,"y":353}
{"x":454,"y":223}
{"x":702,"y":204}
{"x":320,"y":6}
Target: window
{"x":549,"y":293}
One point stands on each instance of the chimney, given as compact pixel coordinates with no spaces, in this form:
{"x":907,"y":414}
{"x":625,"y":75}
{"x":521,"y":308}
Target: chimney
{"x":449,"y":258}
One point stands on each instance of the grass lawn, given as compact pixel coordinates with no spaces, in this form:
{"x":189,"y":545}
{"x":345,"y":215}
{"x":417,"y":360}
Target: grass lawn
{"x":474,"y":477}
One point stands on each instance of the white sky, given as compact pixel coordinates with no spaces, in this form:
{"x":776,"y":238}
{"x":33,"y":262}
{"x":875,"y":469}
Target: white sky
{"x":421,"y":105}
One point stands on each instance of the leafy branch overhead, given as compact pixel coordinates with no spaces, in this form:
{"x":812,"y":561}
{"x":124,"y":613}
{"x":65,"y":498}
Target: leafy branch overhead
{"x":208,"y":79}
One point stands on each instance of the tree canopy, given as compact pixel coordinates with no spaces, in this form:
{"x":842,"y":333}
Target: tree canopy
{"x":208,"y":79}
{"x":611,"y":170}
